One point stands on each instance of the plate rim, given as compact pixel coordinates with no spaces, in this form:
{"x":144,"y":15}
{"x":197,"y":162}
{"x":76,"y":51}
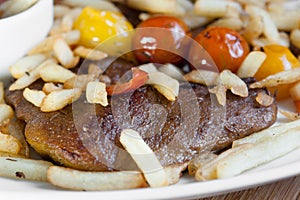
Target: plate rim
{"x":177,"y":191}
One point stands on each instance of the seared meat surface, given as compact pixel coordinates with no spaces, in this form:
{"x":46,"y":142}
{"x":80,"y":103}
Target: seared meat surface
{"x":86,"y":136}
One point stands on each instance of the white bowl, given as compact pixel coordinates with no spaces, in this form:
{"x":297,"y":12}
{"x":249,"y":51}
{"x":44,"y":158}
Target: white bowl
{"x":20,"y":32}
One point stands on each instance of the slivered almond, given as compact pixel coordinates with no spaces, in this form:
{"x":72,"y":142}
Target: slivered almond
{"x":57,"y":100}
{"x":34,"y":96}
{"x":96,"y":93}
{"x":88,"y":53}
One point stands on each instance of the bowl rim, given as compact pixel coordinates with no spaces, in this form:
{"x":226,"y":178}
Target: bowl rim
{"x":22,"y":13}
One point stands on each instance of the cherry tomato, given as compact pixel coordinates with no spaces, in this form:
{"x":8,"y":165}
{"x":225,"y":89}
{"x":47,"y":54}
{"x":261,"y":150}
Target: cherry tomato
{"x":279,"y":58}
{"x":226,"y":47}
{"x":161,"y":39}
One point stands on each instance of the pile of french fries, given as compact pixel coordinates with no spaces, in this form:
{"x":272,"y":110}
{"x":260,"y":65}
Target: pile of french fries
{"x":14,"y":150}
{"x":248,"y":152}
{"x":260,"y":22}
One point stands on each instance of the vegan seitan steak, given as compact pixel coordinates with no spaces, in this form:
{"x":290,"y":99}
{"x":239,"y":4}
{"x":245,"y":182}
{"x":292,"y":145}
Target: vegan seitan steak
{"x":86,"y":136}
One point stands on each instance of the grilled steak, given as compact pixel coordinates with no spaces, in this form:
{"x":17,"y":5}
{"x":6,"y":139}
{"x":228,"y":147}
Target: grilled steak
{"x":86,"y":136}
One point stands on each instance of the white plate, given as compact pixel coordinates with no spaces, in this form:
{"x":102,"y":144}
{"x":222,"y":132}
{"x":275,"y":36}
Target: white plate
{"x":187,"y":188}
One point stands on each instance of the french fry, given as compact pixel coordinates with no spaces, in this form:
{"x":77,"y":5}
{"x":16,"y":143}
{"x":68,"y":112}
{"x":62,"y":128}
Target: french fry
{"x":199,"y":161}
{"x":283,"y":77}
{"x":267,"y":150}
{"x":193,"y":20}
{"x":186,"y":5}
{"x":251,"y":64}
{"x":254,"y":28}
{"x":173,"y":172}
{"x":144,"y":158}
{"x":166,"y":7}
{"x":9,"y":144}
{"x":88,"y":53}
{"x":214,"y":8}
{"x":204,"y":77}
{"x":208,"y":170}
{"x":16,"y":129}
{"x":261,"y":3}
{"x":35,"y":97}
{"x":290,"y":115}
{"x":63,"y":53}
{"x":5,"y":154}
{"x":259,"y":136}
{"x":269,"y":29}
{"x":59,"y":99}
{"x":233,"y":12}
{"x":22,"y":168}
{"x":291,"y":5}
{"x":92,"y":181}
{"x":96,"y":93}
{"x":97,"y":4}
{"x":286,"y":21}
{"x":55,"y":73}
{"x":26,"y":64}
{"x":6,"y":112}
{"x":232,"y":23}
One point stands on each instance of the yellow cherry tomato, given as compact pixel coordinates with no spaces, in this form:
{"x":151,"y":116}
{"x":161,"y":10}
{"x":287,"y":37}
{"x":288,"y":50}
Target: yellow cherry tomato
{"x":279,"y":58}
{"x":105,"y":30}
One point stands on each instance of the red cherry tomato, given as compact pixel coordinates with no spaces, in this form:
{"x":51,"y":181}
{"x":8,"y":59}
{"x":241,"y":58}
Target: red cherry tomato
{"x":226,"y":47}
{"x":161,"y":39}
